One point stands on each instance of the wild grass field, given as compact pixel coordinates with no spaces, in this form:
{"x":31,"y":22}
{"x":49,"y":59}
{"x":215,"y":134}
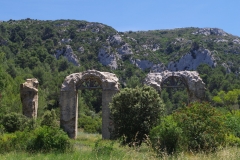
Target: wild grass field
{"x":92,"y":147}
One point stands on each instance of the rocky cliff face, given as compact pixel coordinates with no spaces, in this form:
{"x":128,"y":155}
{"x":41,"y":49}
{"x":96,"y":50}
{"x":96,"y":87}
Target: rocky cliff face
{"x":192,"y":60}
{"x":68,"y":54}
{"x":107,"y":58}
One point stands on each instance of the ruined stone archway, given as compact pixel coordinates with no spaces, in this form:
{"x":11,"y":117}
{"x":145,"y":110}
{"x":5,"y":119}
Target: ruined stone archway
{"x":90,"y":79}
{"x":191,"y":79}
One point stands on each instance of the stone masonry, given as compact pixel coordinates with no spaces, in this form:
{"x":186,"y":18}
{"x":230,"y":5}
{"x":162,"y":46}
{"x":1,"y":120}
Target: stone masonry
{"x":195,"y":86}
{"x":29,"y":97}
{"x":108,"y":82}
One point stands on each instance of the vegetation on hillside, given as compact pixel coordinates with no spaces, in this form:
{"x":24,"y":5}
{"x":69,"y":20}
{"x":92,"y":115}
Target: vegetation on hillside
{"x":28,"y":48}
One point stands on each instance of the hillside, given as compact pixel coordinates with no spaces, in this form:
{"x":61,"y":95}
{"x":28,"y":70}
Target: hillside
{"x":51,"y":50}
{"x":81,"y":42}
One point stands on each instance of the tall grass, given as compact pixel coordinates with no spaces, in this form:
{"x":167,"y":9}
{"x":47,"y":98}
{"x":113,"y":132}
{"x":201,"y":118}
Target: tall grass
{"x":91,"y":147}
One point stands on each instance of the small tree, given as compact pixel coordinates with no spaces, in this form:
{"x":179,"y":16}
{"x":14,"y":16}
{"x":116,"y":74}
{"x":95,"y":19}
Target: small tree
{"x":202,"y":125}
{"x":14,"y":122}
{"x":135,"y":111}
{"x":227,"y":100}
{"x":49,"y":119}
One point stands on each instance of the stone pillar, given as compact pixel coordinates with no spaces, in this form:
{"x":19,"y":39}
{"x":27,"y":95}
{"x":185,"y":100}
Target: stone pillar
{"x":107,"y":124}
{"x":69,"y":112}
{"x":29,"y":97}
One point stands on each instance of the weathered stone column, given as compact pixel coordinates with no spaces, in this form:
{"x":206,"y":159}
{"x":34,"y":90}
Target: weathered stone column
{"x":69,"y":112}
{"x":107,"y":124}
{"x":29,"y":97}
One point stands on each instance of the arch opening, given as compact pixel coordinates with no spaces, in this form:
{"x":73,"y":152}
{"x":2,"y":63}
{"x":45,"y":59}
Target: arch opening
{"x":91,"y":82}
{"x":174,"y":92}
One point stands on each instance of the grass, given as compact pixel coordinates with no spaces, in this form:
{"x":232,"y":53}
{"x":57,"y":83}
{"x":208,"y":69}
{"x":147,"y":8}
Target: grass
{"x":91,"y":147}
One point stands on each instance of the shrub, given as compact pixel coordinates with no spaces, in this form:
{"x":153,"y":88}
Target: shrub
{"x":202,"y":125}
{"x":16,"y":141}
{"x":90,"y":124}
{"x":166,"y":136}
{"x":42,"y":139}
{"x":135,"y":111}
{"x":47,"y":139}
{"x":232,"y":140}
{"x":6,"y":143}
{"x":49,"y":119}
{"x":233,"y":123}
{"x":103,"y":147}
{"x":14,"y":122}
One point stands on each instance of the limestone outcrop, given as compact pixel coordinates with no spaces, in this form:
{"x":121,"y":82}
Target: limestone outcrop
{"x":192,"y":60}
{"x":160,"y":67}
{"x":106,"y":58}
{"x":211,"y":31}
{"x":142,"y":64}
{"x":68,"y":54}
{"x":194,"y":84}
{"x":29,"y":97}
{"x":69,"y":98}
{"x":152,"y":47}
{"x":115,"y":40}
{"x":125,"y":49}
{"x":236,"y":41}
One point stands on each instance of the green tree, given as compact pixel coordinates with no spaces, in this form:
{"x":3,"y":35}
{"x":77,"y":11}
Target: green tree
{"x":13,"y":122}
{"x":202,"y":125}
{"x":227,"y":100}
{"x":49,"y":119}
{"x":135,"y":112}
{"x":133,"y":82}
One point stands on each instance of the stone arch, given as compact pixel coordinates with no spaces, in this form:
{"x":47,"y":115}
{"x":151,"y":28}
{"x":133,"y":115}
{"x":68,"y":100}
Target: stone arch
{"x":194,"y":84}
{"x":90,"y":79}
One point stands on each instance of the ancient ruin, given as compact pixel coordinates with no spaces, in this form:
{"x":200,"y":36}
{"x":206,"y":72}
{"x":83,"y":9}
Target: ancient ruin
{"x":90,"y":79}
{"x":189,"y":79}
{"x":29,"y":97}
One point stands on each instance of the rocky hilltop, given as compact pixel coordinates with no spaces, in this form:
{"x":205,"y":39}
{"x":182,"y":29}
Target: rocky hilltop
{"x":93,"y":44}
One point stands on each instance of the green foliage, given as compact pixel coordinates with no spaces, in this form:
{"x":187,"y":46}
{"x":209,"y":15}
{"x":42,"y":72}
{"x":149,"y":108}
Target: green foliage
{"x":232,"y":122}
{"x":133,"y":82}
{"x":48,"y":139}
{"x":228,"y":99}
{"x":42,"y":139}
{"x":135,"y":112}
{"x":6,"y":144}
{"x":166,"y":136}
{"x":102,"y":147}
{"x":90,"y":124}
{"x":49,"y":119}
{"x":14,"y":122}
{"x":202,"y":125}
{"x":232,"y":140}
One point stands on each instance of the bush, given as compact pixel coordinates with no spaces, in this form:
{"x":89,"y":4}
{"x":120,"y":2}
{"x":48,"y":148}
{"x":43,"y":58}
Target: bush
{"x":233,"y":123}
{"x":166,"y":136}
{"x":202,"y":125}
{"x":135,"y":111}
{"x":48,"y":139}
{"x":232,"y":140}
{"x":89,"y":124}
{"x":14,"y":122}
{"x":103,"y":147}
{"x":6,"y":144}
{"x":42,"y":139}
{"x":49,"y":119}
{"x":16,"y":141}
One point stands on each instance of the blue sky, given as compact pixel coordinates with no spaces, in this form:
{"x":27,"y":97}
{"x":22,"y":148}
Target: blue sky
{"x":125,"y":15}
